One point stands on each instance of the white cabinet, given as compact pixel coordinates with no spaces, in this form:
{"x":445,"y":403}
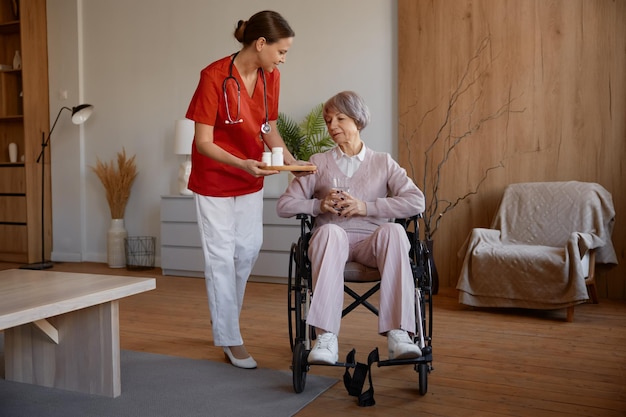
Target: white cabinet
{"x":278,"y":235}
{"x":181,"y":252}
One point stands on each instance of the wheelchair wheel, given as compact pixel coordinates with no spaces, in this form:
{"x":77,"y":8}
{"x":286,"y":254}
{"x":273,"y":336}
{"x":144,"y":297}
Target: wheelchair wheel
{"x":292,"y":300}
{"x":299,"y":367}
{"x":297,"y":288}
{"x":296,"y":299}
{"x":422,"y":370}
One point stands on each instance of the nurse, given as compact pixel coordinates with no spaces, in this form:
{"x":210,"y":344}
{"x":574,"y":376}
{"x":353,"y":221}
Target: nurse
{"x":235,"y":108}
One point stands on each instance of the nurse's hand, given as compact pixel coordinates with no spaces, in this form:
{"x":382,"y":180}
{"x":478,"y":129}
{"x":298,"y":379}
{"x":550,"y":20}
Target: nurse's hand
{"x":257,"y":168}
{"x":301,"y":173}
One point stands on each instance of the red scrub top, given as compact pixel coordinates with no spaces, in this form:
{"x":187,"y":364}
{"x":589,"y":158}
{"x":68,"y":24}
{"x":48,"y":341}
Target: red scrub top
{"x":208,"y":176}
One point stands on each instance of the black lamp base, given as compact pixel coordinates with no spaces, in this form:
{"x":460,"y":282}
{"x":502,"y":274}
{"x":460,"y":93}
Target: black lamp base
{"x":38,"y":265}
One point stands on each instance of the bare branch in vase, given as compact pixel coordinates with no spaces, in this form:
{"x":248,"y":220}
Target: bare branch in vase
{"x":445,"y":140}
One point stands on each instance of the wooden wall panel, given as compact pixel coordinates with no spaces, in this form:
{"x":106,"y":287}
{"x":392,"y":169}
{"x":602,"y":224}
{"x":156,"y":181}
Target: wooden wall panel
{"x":534,"y":89}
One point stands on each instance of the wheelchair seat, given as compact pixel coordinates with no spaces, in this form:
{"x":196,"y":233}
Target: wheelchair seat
{"x":355,"y":272}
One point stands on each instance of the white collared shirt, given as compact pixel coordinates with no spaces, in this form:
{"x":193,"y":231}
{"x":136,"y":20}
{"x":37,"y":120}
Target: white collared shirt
{"x":349,"y":164}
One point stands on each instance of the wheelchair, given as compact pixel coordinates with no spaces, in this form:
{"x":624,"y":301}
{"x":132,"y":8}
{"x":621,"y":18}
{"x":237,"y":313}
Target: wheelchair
{"x":300,"y":294}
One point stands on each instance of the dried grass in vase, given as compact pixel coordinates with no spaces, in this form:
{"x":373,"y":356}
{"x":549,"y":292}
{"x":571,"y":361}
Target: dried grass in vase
{"x":117,"y":181}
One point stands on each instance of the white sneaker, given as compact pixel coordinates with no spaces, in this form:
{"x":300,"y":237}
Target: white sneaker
{"x":325,"y":350}
{"x":401,"y":346}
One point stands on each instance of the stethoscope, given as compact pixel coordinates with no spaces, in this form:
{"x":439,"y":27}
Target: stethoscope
{"x":265,"y":127}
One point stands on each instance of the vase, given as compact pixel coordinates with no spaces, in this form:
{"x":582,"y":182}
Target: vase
{"x":116,"y":252}
{"x":17,"y":60}
{"x":183,"y":178}
{"x":433,"y":268}
{"x":12,"y":152}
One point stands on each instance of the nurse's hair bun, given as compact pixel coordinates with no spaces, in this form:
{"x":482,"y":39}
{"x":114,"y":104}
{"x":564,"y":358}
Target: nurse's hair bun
{"x":241,"y":28}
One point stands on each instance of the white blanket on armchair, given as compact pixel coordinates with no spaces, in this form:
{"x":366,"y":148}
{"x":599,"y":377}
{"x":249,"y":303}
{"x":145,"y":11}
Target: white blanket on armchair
{"x":532,"y":256}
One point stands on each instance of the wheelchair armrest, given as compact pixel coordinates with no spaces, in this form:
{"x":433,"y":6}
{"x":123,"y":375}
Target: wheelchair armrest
{"x":306,"y":225}
{"x":411,"y":225}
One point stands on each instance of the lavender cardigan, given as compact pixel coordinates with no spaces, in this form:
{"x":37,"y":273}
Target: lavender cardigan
{"x":380,"y":182}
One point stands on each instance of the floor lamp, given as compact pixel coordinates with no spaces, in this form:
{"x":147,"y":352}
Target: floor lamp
{"x":79,"y":115}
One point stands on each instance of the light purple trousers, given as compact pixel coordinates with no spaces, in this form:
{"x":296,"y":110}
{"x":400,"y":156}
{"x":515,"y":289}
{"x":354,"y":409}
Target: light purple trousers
{"x":386,"y":249}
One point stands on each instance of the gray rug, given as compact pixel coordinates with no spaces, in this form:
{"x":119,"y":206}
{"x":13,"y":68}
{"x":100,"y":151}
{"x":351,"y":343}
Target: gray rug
{"x":159,"y":385}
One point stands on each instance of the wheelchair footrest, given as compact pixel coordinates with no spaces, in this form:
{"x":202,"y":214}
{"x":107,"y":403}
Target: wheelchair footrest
{"x":336,"y":364}
{"x":391,"y":362}
{"x":413,"y":361}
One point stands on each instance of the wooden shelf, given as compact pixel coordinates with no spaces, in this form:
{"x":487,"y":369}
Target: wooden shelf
{"x":24,"y":96}
{"x":13,"y":118}
{"x":10,"y":27}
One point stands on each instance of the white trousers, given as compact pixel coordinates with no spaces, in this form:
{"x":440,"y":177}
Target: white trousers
{"x":231,"y":231}
{"x":387,"y":249}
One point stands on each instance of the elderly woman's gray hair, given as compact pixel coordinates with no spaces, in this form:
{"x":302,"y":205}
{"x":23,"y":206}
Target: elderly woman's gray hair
{"x":350,"y":104}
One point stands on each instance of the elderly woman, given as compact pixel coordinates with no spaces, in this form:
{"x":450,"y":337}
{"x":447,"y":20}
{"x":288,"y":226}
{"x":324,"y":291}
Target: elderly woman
{"x":353,"y":195}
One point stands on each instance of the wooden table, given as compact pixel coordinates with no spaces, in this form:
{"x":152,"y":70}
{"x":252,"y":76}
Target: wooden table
{"x":61,"y":329}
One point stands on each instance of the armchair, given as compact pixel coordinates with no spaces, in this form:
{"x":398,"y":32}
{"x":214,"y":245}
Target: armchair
{"x":541,"y":249}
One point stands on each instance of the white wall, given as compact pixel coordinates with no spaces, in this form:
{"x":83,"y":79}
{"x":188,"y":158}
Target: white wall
{"x":138,"y":63}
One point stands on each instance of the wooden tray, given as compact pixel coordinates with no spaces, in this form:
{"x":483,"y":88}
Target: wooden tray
{"x":292,"y":168}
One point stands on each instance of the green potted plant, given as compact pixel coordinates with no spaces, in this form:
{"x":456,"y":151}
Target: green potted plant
{"x":307,"y":137}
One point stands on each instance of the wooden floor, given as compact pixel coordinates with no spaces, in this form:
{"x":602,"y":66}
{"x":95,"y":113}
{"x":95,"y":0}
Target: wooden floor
{"x":487,"y":362}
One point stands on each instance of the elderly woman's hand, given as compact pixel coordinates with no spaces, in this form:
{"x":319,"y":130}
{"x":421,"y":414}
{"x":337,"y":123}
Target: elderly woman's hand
{"x":343,"y":204}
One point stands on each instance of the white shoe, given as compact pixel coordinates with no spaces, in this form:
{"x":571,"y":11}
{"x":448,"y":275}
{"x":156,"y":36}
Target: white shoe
{"x":325,"y":351}
{"x":401,"y":346}
{"x":247,"y":363}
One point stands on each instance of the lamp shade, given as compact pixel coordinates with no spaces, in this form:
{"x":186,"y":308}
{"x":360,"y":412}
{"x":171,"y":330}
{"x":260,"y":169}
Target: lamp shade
{"x":81,"y":113}
{"x":184,"y":134}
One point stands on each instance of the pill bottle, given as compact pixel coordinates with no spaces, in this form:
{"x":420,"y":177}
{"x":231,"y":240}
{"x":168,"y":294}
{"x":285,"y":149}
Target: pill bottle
{"x":267,"y":158}
{"x":277,"y":157}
